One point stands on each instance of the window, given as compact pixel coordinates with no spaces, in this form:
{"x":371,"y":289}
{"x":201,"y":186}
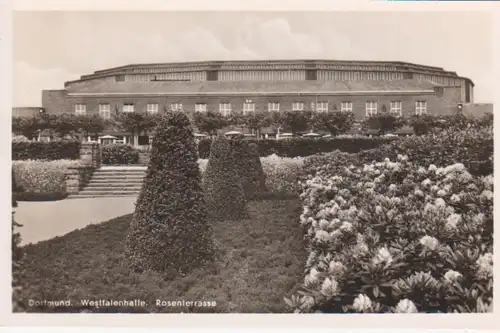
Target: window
{"x":322,"y":107}
{"x":176,"y":106}
{"x":225,"y":109}
{"x":346,"y":107}
{"x":420,"y":107}
{"x":105,"y":111}
{"x":273,"y":107}
{"x":248,"y":107}
{"x":397,"y":108}
{"x":128,"y":107}
{"x":152,"y":108}
{"x":298,"y":106}
{"x":200,"y":107}
{"x":371,"y":108}
{"x":80,"y":109}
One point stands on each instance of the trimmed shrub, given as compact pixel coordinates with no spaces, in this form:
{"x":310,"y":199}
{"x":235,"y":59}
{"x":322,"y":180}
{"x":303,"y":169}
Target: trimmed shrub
{"x":282,"y":175}
{"x":36,"y":179}
{"x":301,"y":147}
{"x":169,"y":231}
{"x":49,"y":151}
{"x":249,"y":167}
{"x":224,"y":192}
{"x":119,"y":154}
{"x":397,"y":237}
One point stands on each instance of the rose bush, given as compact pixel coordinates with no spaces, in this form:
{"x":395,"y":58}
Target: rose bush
{"x":397,"y":237}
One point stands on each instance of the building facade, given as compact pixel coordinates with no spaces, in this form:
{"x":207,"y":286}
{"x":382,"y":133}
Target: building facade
{"x":363,"y":87}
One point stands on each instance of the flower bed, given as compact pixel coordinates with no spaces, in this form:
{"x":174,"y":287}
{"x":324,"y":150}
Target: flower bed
{"x":41,"y":180}
{"x":397,"y":237}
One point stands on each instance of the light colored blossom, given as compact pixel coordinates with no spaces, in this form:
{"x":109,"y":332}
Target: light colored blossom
{"x":383,"y":256}
{"x":346,"y":226}
{"x":392,"y":187}
{"x":429,"y":242}
{"x":379,"y":210}
{"x":324,"y":224}
{"x":432,"y":167}
{"x":426,"y":182}
{"x":336,"y":268}
{"x":485,"y":266}
{"x":487,"y":194}
{"x":406,"y":306}
{"x":455,"y":198}
{"x":418,"y":193}
{"x":479,"y":218}
{"x":362,"y":303}
{"x":441,"y":193}
{"x":307,"y":302}
{"x":312,"y":277}
{"x":439,"y":202}
{"x":323,"y":236}
{"x":453,"y":220}
{"x":452,"y":276}
{"x":330,"y":287}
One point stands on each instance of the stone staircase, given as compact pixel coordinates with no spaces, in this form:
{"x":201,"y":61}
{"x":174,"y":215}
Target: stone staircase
{"x":113,"y":181}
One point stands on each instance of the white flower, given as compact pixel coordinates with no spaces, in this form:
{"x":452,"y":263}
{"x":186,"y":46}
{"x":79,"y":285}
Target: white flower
{"x":362,"y":303}
{"x":405,"y":306}
{"x":379,"y":210}
{"x":330,"y":287}
{"x":439,"y":171}
{"x":452,"y":276}
{"x":387,"y":160}
{"x":346,"y":226}
{"x":396,"y":200}
{"x":432,"y":167}
{"x":429,"y":242}
{"x":336,"y":268}
{"x":418,"y":193}
{"x":323,"y":224}
{"x":392,"y":187}
{"x":383,"y":256}
{"x":441,"y":193}
{"x":402,"y":157}
{"x":453,"y":220}
{"x":485,"y":265}
{"x":479,"y":218}
{"x":421,"y":170}
{"x":455,"y":198}
{"x":439,"y":202}
{"x":323,"y":236}
{"x":426,"y":182}
{"x":487,"y":194}
{"x":435,"y":188}
{"x":307,"y":302}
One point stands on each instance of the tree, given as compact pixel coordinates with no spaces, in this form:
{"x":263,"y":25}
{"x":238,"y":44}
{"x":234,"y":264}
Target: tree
{"x":169,"y":230}
{"x":384,"y":122}
{"x":222,"y":182}
{"x":486,"y":120}
{"x":334,"y":122}
{"x":91,"y":125}
{"x":27,"y":126}
{"x":255,"y":121}
{"x":249,"y":167}
{"x":132,"y":122}
{"x":209,"y":122}
{"x":293,"y":121}
{"x":64,"y":124}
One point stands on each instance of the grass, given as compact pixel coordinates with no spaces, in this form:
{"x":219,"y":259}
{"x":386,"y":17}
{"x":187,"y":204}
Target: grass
{"x":260,"y":261}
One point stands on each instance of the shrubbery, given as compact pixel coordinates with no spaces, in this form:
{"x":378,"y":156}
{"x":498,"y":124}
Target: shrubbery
{"x":54,"y":150}
{"x":301,"y":147}
{"x":41,"y":180}
{"x":17,"y":254}
{"x":169,"y":231}
{"x":472,"y":147}
{"x":119,"y":154}
{"x":397,"y":237}
{"x":249,"y":168}
{"x":223,"y":186}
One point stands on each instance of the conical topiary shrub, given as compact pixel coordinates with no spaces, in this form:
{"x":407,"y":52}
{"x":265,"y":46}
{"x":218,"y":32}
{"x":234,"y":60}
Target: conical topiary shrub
{"x":223,"y":188}
{"x":169,"y":230}
{"x":249,"y":168}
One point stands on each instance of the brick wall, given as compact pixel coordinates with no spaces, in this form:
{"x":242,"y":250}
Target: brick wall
{"x":443,"y":101}
{"x":26,"y":111}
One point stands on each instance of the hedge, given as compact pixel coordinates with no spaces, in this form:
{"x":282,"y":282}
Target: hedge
{"x":31,"y":196}
{"x":48,"y":151}
{"x":300,"y":147}
{"x":119,"y":154}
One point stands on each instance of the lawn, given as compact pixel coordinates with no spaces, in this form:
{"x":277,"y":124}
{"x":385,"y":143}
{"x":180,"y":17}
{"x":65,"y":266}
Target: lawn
{"x":260,"y":260}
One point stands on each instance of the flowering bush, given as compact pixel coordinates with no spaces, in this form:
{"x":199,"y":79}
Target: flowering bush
{"x":33,"y":176}
{"x":397,"y":237}
{"x":119,"y":154}
{"x":472,"y":147}
{"x":282,"y":173}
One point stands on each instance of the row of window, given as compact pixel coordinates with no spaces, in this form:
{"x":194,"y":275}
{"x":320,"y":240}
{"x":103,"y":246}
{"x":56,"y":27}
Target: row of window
{"x":371,"y":107}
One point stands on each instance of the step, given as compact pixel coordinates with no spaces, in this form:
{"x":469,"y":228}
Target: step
{"x":113,"y":185}
{"x":117,"y":175}
{"x":116,"y":181}
{"x":112,"y":188}
{"x":109,"y":192}
{"x":119,"y":172}
{"x":101,"y":195}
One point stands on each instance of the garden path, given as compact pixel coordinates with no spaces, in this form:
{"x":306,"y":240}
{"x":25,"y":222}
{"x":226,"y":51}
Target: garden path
{"x":46,"y":220}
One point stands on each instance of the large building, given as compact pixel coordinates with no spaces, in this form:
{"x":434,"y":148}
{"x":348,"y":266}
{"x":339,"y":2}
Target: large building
{"x":364,"y":87}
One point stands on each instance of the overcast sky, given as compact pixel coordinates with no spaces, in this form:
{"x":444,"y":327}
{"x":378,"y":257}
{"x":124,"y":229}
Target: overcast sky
{"x":53,"y":47}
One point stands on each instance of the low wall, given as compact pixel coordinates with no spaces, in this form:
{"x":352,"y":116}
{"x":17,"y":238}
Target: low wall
{"x":78,"y":177}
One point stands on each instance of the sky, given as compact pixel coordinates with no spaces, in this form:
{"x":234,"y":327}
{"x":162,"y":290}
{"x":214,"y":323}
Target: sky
{"x":52,"y":47}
